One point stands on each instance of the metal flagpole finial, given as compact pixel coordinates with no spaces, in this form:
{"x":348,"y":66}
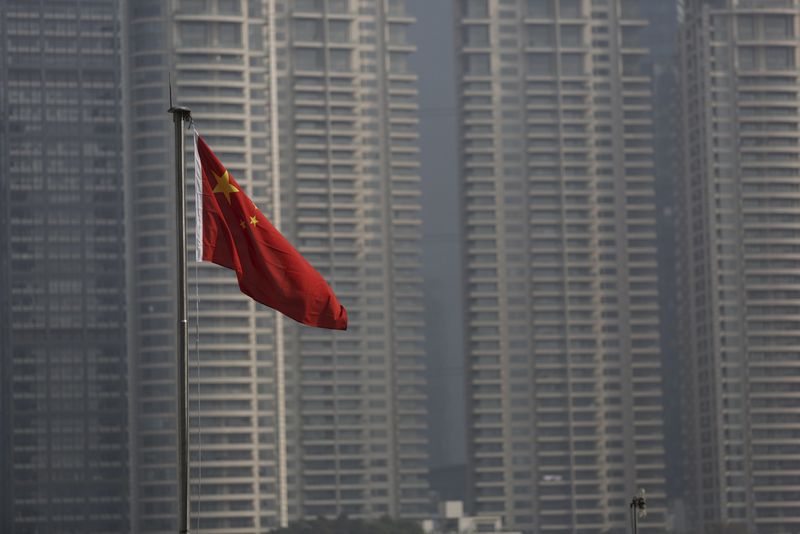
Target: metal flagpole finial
{"x":182,"y":111}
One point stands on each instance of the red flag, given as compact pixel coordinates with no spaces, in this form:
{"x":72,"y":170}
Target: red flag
{"x":231,"y":232}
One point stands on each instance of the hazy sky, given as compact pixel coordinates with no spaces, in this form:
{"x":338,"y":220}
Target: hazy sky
{"x":435,"y":64}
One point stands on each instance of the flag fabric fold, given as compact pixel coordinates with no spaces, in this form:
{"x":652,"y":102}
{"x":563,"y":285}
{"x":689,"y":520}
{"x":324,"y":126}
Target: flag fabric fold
{"x":233,"y":233}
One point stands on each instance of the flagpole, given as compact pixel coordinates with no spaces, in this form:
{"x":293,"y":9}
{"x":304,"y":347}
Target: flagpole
{"x":179,"y":116}
{"x":283,"y":501}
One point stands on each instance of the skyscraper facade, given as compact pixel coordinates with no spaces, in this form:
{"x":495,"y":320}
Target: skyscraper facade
{"x":351,"y":203}
{"x":564,"y":404}
{"x":63,"y":389}
{"x":740,"y":293}
{"x":342,"y":147}
{"x":214,"y":51}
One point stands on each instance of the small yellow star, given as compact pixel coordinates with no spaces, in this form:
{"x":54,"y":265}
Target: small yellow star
{"x":224,"y":185}
{"x":243,"y":224}
{"x":253,"y":221}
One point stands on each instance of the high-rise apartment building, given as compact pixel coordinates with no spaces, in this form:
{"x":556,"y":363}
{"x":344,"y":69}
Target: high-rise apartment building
{"x":740,"y":291}
{"x":349,"y":190}
{"x":214,"y":50}
{"x":565,"y":402}
{"x":351,"y":203}
{"x":63,"y":372}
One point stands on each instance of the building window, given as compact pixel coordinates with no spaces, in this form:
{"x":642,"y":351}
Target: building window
{"x":229,"y":7}
{"x":229,"y":35}
{"x":572,"y":64}
{"x":478,"y":65}
{"x":340,"y":61}
{"x":541,"y":64}
{"x":194,"y":6}
{"x":308,"y":59}
{"x":307,"y":30}
{"x":308,"y":6}
{"x":570,"y":9}
{"x":540,"y":8}
{"x":571,"y":35}
{"x":779,"y":58}
{"x":541,"y":35}
{"x":778,"y":27}
{"x":476,"y":9}
{"x":476,"y":35}
{"x":255,"y":8}
{"x":398,"y":63}
{"x":747,"y":57}
{"x":746,"y":27}
{"x":256,"y":37}
{"x":195,"y":34}
{"x":339,"y":31}
{"x":338,"y":6}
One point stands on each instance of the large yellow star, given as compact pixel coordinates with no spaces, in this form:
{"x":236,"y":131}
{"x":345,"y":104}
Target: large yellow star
{"x":224,"y":185}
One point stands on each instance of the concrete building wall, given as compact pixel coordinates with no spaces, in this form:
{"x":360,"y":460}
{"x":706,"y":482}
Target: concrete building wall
{"x":215,"y":53}
{"x":565,"y":407}
{"x":63,"y":391}
{"x":739,"y":291}
{"x":350,"y":203}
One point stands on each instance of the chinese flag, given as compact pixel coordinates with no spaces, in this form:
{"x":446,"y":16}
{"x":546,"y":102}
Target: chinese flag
{"x":231,"y":232}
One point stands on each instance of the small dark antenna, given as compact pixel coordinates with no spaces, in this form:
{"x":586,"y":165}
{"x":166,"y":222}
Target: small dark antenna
{"x":184,"y":112}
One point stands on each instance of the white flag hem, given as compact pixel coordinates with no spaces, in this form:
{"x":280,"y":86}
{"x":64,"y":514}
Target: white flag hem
{"x":198,"y":202}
